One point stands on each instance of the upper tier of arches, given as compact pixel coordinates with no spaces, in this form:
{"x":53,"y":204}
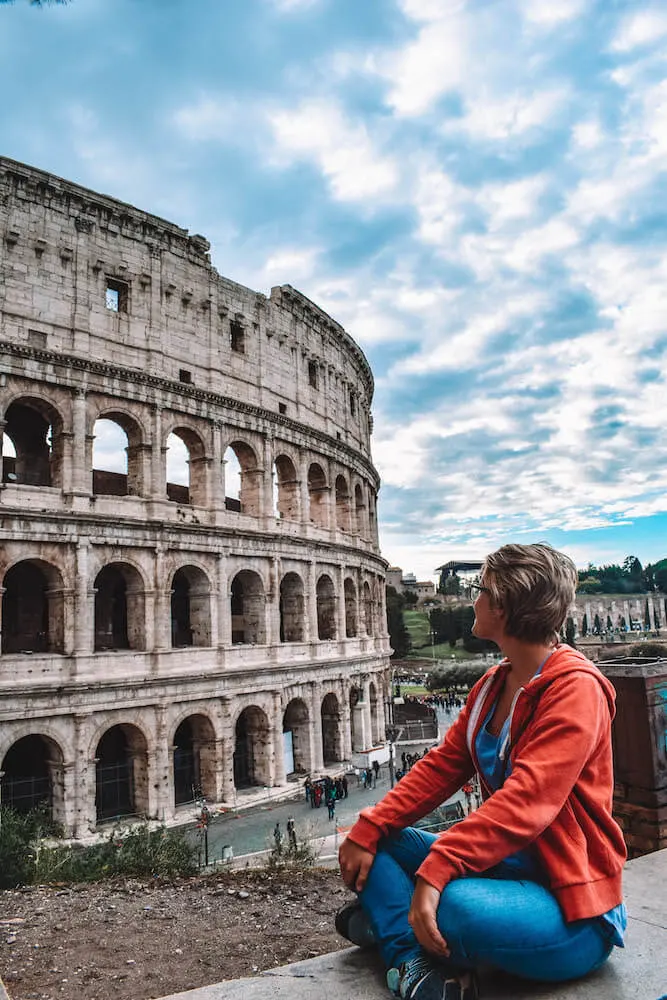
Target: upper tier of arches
{"x":100,"y":447}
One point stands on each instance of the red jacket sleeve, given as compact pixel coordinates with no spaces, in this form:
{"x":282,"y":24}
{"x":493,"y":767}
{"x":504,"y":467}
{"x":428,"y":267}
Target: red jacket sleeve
{"x":431,"y":781}
{"x":572,"y":717}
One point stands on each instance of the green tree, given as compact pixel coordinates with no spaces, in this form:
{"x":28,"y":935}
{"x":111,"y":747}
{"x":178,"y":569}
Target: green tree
{"x":399,"y":637}
{"x":647,"y":615}
{"x":569,"y":632}
{"x":597,"y":625}
{"x":584,"y":625}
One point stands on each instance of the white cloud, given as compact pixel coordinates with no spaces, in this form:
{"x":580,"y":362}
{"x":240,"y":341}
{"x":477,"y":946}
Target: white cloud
{"x":318,"y":131}
{"x":643,"y":28}
{"x":548,"y":13}
{"x":500,"y":118}
{"x":290,"y":264}
{"x":209,"y":118}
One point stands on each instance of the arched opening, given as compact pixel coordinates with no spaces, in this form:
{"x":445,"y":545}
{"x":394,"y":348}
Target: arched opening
{"x":243,"y":479}
{"x":285,"y":489}
{"x":35,"y":430}
{"x":317,"y":495}
{"x":117,"y":449}
{"x":33,"y":776}
{"x":350,"y":608}
{"x":194,"y":760}
{"x":186,"y":468}
{"x":342,"y":504}
{"x":296,"y":738}
{"x":359,"y":511}
{"x":368,"y":608}
{"x":291,"y":608}
{"x":8,"y":460}
{"x":376,"y":735}
{"x":332,"y":748}
{"x":251,"y":749}
{"x":326,"y":608}
{"x":190,"y":608}
{"x":33,"y":609}
{"x":121,"y":774}
{"x":248,"y":609}
{"x":119,"y":608}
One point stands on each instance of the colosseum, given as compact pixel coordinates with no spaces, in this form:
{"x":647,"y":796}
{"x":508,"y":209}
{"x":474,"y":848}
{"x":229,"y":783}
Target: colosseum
{"x":192,"y":590}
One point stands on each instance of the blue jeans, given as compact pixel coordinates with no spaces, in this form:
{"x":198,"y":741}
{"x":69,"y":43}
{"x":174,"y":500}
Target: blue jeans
{"x":491,"y":918}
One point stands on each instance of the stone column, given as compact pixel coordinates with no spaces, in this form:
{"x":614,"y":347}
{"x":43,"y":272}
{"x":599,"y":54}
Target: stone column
{"x":227,"y":743}
{"x":340,"y":597}
{"x":310,"y":604}
{"x":224,"y":606}
{"x":277,"y":764}
{"x":266,"y":491}
{"x":158,"y":489}
{"x":273,"y":603}
{"x":162,"y":777}
{"x":367,"y":722}
{"x":161,"y":603}
{"x":304,"y":495}
{"x":217,"y":484}
{"x":346,"y":734}
{"x":2,"y":594}
{"x":84,"y":785}
{"x":316,"y":747}
{"x":84,"y":598}
{"x":79,"y":480}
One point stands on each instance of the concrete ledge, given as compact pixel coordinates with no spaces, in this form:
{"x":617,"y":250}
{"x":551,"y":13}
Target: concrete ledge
{"x":637,"y":972}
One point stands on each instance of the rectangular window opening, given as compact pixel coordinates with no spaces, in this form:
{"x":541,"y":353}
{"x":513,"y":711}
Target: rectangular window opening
{"x":185,"y":376}
{"x":282,"y":407}
{"x":353,"y":404}
{"x":313,"y":374}
{"x":237,"y":337}
{"x":117,"y":294}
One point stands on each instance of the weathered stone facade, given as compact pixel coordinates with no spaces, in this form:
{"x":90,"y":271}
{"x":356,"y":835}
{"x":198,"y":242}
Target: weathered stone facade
{"x":162,"y":639}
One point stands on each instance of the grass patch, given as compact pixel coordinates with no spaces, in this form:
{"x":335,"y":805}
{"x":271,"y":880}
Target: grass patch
{"x":418,"y":626}
{"x":441,"y":651}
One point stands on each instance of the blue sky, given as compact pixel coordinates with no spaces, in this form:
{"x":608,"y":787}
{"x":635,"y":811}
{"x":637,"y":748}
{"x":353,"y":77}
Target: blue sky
{"x":477,"y":191}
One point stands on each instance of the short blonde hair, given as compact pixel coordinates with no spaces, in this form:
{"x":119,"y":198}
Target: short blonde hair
{"x":534,"y":585}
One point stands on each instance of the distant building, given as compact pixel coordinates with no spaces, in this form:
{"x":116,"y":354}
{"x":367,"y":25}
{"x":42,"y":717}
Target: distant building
{"x":409,"y":584}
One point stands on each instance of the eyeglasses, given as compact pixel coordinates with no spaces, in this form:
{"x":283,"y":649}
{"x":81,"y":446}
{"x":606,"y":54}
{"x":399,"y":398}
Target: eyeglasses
{"x":477,"y":588}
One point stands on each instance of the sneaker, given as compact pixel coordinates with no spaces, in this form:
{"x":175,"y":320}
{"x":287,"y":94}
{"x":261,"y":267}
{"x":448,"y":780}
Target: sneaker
{"x":352,"y":923}
{"x":421,"y":979}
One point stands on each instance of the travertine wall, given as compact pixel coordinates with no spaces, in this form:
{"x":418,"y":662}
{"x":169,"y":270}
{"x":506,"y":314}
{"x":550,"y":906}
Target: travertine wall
{"x":130,"y":602}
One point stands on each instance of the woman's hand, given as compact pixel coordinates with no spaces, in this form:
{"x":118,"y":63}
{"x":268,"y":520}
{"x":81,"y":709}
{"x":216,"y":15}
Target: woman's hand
{"x":355,"y":863}
{"x":422,"y":918}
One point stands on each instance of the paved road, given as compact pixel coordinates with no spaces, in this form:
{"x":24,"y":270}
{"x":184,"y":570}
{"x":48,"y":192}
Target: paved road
{"x":251,"y":830}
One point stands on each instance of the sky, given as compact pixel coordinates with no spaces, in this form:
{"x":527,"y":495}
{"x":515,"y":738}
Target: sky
{"x":475,"y":190}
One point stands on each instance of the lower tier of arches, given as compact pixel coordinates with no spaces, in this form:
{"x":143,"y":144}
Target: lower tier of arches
{"x":87,"y":769}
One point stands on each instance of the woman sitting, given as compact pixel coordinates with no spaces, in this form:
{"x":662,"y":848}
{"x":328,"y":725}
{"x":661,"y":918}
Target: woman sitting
{"x":530,"y":882}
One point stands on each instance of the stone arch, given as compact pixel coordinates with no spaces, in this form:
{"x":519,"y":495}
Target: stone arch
{"x":35,"y":428}
{"x":121,"y":773}
{"x":241,"y":465}
{"x":350,"y":593}
{"x":292,"y":617}
{"x":190,"y":607}
{"x":194,"y":759}
{"x":342,"y":504}
{"x":326,"y":608}
{"x":33,"y":776}
{"x":285,"y":489}
{"x":360,"y":512}
{"x":248,"y":608}
{"x":111,"y":475}
{"x":252,"y":764}
{"x":193,"y":488}
{"x":367,"y":602}
{"x":332,"y":730}
{"x":33,"y":608}
{"x":296,"y":737}
{"x":120,"y":617}
{"x":317,"y":495}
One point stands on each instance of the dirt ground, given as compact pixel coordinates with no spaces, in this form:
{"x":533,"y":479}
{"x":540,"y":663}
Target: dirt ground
{"x":141,"y":939}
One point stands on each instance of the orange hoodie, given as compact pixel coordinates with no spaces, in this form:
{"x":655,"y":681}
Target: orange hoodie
{"x":558,"y":797}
